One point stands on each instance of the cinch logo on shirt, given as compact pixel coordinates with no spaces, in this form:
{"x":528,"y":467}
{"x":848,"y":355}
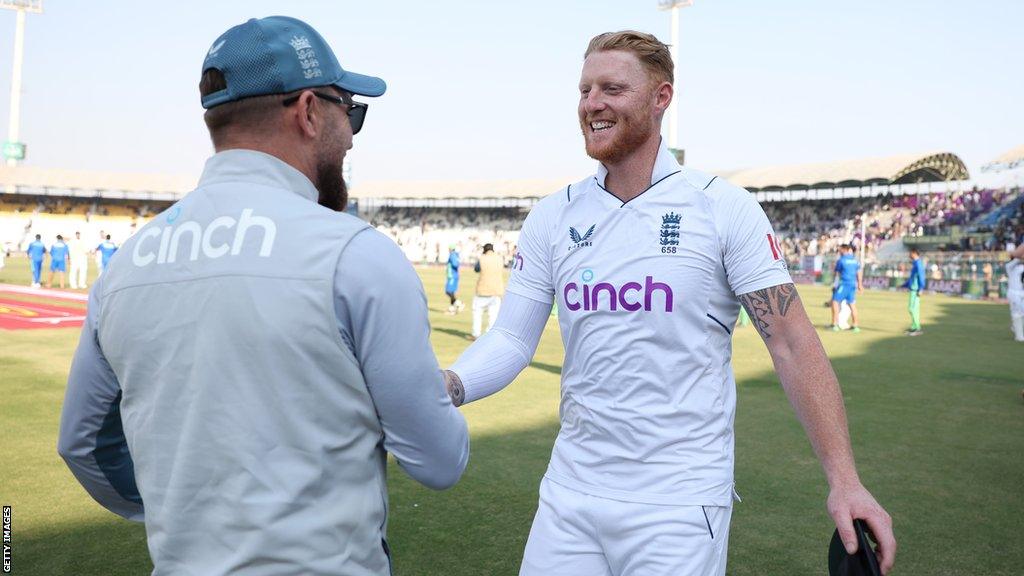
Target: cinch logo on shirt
{"x":628,"y":296}
{"x":148,"y":250}
{"x":517,"y":261}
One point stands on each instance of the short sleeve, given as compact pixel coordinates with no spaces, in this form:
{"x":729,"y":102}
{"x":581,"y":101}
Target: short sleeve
{"x":751,"y":252}
{"x":531,"y":264}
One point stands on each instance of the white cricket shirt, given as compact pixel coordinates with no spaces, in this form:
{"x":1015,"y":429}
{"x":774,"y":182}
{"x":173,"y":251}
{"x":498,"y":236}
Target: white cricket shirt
{"x":1015,"y":276}
{"x":646,"y":293}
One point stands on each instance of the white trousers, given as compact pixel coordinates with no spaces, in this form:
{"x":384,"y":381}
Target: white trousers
{"x":489,"y":303}
{"x":79,"y":272}
{"x":575,"y":534}
{"x":1016,"y":299}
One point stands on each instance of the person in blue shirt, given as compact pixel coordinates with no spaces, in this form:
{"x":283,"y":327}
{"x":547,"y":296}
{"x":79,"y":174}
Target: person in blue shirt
{"x":916,"y":283}
{"x":849,"y":281}
{"x":451,"y":282}
{"x":106,"y":250}
{"x":59,"y":257}
{"x":36,"y":252}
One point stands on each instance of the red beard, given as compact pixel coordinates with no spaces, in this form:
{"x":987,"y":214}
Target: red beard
{"x":630,"y":132}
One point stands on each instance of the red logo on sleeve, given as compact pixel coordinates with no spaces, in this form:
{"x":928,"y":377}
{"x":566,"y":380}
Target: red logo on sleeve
{"x":774,"y":245}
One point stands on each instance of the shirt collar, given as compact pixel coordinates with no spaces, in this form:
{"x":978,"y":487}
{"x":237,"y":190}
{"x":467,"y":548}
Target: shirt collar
{"x":239,"y":165}
{"x":664,"y":165}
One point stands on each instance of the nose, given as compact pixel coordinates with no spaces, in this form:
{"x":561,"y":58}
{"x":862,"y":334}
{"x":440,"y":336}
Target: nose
{"x":593,"y":102}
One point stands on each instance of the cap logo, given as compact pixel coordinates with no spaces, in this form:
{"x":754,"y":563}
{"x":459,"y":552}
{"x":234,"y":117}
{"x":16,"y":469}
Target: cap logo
{"x":307,"y":57}
{"x":299,"y":43}
{"x":215,"y":48}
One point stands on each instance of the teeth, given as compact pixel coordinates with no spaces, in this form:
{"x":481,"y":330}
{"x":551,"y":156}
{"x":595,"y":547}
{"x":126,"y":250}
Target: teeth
{"x":601,"y":125}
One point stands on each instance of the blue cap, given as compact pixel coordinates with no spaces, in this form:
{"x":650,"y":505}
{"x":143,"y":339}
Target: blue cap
{"x":277,"y":55}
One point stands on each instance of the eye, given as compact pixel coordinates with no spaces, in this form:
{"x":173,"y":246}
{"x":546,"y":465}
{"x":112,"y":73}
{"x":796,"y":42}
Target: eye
{"x":584,"y":92}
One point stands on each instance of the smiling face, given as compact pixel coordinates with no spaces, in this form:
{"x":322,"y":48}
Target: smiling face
{"x":621,"y":106}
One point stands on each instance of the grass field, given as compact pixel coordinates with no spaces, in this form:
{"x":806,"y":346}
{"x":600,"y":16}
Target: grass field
{"x":937,"y":423}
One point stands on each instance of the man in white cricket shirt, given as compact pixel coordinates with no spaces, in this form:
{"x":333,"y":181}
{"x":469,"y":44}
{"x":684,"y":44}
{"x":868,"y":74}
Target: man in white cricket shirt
{"x":648,"y":263}
{"x":79,"y":262}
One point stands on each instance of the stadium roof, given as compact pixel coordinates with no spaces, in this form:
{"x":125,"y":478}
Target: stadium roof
{"x":931,"y":167}
{"x":50,"y":181}
{"x":903,"y":169}
{"x":1008,"y":160}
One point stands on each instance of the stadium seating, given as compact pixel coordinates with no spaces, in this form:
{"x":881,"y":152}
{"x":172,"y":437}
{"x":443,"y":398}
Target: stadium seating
{"x":804,"y":227}
{"x":22,"y":217}
{"x":424,"y":234}
{"x":810,"y":227}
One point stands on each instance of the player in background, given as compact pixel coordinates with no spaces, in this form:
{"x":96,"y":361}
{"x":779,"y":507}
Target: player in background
{"x":105,"y":249}
{"x":451,"y":281}
{"x":490,"y":287}
{"x":648,"y":263}
{"x":58,"y":261}
{"x":1015,"y":292}
{"x":849,"y":281}
{"x":916,"y":283}
{"x":97,"y":256}
{"x":79,"y":262}
{"x":36,"y":253}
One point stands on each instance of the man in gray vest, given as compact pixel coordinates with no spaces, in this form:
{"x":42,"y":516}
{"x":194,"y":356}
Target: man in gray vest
{"x":252,"y":354}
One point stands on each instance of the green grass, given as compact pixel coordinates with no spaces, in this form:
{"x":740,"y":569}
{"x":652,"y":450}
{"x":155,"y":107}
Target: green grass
{"x":937,"y":423}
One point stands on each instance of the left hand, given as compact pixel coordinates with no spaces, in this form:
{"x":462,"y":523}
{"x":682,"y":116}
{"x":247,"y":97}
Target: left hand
{"x":847,"y":503}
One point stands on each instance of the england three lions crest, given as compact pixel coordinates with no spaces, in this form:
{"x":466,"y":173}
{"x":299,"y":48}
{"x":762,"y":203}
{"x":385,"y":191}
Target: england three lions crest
{"x":669,"y":237}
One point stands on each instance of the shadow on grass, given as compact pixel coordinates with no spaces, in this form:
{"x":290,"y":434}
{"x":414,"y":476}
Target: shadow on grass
{"x":113,"y":547}
{"x":452,"y":332}
{"x":552,"y":368}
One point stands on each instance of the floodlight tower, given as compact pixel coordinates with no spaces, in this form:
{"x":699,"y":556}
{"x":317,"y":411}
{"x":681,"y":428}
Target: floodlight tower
{"x":14,"y":150}
{"x":673,"y":7}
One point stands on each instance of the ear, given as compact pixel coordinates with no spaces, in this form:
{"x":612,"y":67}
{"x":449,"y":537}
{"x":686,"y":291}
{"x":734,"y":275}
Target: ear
{"x":307,"y":115}
{"x":663,"y":96}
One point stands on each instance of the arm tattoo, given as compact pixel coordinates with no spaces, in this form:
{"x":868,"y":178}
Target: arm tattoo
{"x":454,"y":385}
{"x":762,"y":305}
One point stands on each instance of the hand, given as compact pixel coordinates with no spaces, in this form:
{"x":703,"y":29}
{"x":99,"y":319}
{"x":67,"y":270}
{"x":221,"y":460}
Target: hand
{"x":453,"y":384}
{"x":845,"y":504}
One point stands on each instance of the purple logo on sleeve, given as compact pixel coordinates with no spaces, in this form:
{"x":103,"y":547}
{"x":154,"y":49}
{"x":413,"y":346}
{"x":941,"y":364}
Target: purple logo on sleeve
{"x":517,"y":261}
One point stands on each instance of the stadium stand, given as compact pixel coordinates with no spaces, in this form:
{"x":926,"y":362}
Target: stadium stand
{"x":24,"y":216}
{"x":814,"y":207}
{"x":424,"y":234}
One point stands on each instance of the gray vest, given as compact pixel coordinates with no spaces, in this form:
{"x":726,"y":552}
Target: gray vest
{"x":256,"y":445}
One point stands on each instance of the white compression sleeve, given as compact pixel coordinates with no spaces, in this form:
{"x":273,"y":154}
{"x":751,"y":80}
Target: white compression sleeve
{"x":497,"y":357}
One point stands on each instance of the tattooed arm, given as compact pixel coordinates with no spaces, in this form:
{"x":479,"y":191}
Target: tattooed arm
{"x":811,"y":386}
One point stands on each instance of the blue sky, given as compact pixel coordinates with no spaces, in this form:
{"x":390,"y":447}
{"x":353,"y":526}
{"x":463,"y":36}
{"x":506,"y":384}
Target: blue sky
{"x":487,"y":90}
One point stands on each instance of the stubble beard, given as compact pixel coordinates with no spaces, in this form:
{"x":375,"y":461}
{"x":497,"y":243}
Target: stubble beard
{"x":632,"y":132}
